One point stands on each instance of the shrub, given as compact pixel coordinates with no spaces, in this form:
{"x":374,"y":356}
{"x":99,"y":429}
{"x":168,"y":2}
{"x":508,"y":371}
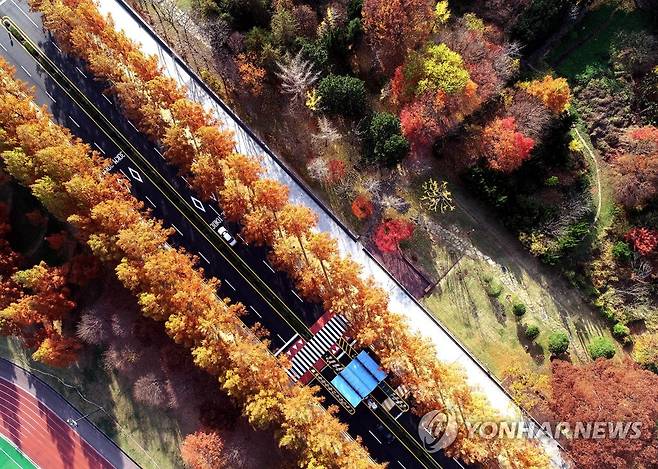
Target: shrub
{"x":494,"y":288}
{"x":621,"y":332}
{"x":622,"y":251}
{"x":601,"y":347}
{"x":552,"y":181}
{"x":314,"y":50}
{"x":558,"y":342}
{"x":384,"y":142}
{"x":645,"y":351}
{"x":531,"y":331}
{"x":342,"y":94}
{"x":519,"y":309}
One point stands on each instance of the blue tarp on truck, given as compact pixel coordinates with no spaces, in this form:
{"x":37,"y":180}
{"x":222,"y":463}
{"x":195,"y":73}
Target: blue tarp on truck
{"x":359,"y":378}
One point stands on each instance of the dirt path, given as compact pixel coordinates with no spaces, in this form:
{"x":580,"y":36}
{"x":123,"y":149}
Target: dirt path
{"x":597,"y":173}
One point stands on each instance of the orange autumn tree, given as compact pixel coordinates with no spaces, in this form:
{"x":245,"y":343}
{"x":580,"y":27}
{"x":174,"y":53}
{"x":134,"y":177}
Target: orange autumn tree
{"x":395,"y":26}
{"x":553,"y":92}
{"x":203,"y":450}
{"x":504,"y":147}
{"x":341,"y":288}
{"x":37,"y":315}
{"x":107,"y":217}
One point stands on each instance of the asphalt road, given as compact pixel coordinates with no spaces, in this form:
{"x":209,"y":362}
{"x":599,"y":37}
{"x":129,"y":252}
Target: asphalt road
{"x":365,"y":423}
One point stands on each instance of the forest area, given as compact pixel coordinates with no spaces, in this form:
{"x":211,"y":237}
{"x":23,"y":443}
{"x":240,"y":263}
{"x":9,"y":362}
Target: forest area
{"x":491,"y":155}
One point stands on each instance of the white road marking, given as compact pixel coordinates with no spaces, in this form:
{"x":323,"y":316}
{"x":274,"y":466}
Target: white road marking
{"x":177,"y":230}
{"x":132,"y":125}
{"x":204,"y":258}
{"x":50,"y":96}
{"x":405,"y":467}
{"x":269,"y":266}
{"x":375,"y":437}
{"x":213,"y":209}
{"x":229,"y":284}
{"x":25,"y":70}
{"x":254,"y":310}
{"x":295,"y":293}
{"x":149,"y":200}
{"x":397,"y":416}
{"x":73,"y":120}
{"x":283,"y":347}
{"x":460,"y":464}
{"x":106,"y":98}
{"x":1,"y":45}
{"x":158,"y":151}
{"x":242,"y":239}
{"x":282,"y":339}
{"x":99,"y":148}
{"x":124,"y":174}
{"x":25,"y":14}
{"x":81,"y":72}
{"x":57,"y":47}
{"x":2,"y":2}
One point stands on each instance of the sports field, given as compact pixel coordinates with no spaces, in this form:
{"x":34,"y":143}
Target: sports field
{"x":12,"y":458}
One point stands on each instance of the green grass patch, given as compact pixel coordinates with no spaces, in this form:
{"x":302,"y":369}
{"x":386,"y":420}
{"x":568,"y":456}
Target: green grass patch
{"x":589,"y":43}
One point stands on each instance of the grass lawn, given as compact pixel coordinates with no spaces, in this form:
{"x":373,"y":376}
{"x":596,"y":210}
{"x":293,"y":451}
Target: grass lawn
{"x":484,"y":323}
{"x":588,"y":45}
{"x":149,"y":436}
{"x":488,"y":327}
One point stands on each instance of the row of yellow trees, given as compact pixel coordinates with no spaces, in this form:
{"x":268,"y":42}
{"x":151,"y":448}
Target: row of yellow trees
{"x":68,"y":178}
{"x":194,"y":142}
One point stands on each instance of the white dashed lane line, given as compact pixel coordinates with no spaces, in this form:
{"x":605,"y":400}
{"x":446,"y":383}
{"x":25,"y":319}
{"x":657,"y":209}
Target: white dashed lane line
{"x":177,"y":230}
{"x":375,"y":437}
{"x":254,"y":310}
{"x":149,"y":201}
{"x":204,"y":258}
{"x":229,"y":284}
{"x":26,"y":15}
{"x":25,"y":70}
{"x":269,"y":266}
{"x":73,"y":120}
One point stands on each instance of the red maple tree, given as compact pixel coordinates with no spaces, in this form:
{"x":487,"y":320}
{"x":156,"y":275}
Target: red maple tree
{"x":390,"y":233}
{"x":644,"y":240}
{"x":505,"y":148}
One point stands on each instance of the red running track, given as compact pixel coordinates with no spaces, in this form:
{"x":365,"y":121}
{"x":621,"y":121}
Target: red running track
{"x":43,"y":436}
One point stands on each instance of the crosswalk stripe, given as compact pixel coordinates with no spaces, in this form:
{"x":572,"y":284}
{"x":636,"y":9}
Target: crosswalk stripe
{"x":321,"y":342}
